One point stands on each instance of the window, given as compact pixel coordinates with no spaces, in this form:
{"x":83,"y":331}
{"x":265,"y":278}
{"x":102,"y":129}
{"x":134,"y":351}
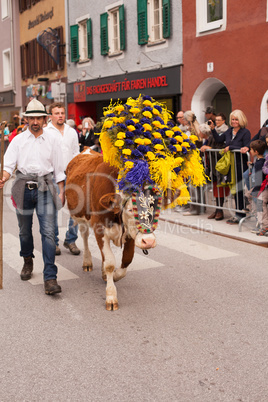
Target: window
{"x":4,"y":9}
{"x":26,"y":4}
{"x":112,"y":25}
{"x":7,"y":68}
{"x":210,"y":15}
{"x":153,"y":21}
{"x":36,"y":60}
{"x":81,"y":40}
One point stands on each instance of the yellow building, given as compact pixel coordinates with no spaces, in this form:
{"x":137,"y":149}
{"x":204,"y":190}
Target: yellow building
{"x":42,"y":50}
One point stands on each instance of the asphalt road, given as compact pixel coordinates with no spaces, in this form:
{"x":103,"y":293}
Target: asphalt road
{"x":192,"y":324}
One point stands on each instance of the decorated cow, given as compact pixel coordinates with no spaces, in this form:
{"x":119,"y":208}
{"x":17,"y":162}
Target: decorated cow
{"x":146,"y":160}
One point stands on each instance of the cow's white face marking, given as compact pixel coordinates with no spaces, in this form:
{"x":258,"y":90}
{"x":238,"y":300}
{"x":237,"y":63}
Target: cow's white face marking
{"x":87,"y":152}
{"x":142,"y":240}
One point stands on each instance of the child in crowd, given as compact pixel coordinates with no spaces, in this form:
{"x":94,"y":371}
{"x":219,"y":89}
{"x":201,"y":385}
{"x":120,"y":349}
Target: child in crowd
{"x":257,"y":149}
{"x":263,"y":196}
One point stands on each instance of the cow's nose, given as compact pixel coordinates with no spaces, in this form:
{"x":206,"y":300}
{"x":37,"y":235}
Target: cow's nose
{"x":148,"y":242}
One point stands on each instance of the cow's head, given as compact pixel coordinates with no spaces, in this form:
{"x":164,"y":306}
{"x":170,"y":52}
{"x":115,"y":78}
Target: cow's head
{"x":140,"y":216}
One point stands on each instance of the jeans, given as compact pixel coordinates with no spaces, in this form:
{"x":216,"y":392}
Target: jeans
{"x":72,"y":232}
{"x":43,"y":203}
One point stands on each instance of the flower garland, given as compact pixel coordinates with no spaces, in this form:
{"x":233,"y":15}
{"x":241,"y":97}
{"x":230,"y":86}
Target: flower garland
{"x":140,"y":139}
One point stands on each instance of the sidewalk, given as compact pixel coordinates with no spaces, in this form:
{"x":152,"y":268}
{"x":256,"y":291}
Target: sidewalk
{"x":220,"y":228}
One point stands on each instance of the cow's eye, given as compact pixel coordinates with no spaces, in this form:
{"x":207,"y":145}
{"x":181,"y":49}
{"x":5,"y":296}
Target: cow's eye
{"x":129,"y":210}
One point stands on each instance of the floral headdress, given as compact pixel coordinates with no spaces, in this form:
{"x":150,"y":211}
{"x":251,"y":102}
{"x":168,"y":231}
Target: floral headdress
{"x":140,"y":139}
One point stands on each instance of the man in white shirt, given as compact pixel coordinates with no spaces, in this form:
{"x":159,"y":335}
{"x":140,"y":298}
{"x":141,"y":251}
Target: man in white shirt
{"x":70,"y":148}
{"x":37,"y":156}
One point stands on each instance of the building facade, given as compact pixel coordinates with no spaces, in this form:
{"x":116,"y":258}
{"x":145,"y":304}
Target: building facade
{"x":121,"y":49}
{"x":225,"y":47}
{"x":42,"y":50}
{"x":10,"y":78}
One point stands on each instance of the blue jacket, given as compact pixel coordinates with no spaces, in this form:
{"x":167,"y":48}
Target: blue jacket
{"x":241,"y":139}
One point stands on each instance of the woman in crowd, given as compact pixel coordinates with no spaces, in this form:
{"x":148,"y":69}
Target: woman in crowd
{"x":87,"y":136}
{"x":237,"y":137}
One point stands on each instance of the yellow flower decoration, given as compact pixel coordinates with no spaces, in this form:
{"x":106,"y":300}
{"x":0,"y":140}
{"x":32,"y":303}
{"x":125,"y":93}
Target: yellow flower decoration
{"x":147,"y":114}
{"x":121,"y":135}
{"x":150,"y":155}
{"x":178,"y":147}
{"x":157,"y":124}
{"x":184,"y":136}
{"x":129,"y":165}
{"x":108,"y":124}
{"x":178,"y":161}
{"x":134,"y":110}
{"x":185,"y":144}
{"x":147,"y":102}
{"x":157,"y":135}
{"x":119,"y":108}
{"x":193,"y":138}
{"x":147,"y":127}
{"x":119,"y":143}
{"x":159,"y":147}
{"x":130,"y":128}
{"x":156,"y":112}
{"x":135,"y":120}
{"x":139,"y":141}
{"x":178,"y":138}
{"x":176,"y":129}
{"x":146,"y":141}
{"x":126,"y":151}
{"x":169,"y":133}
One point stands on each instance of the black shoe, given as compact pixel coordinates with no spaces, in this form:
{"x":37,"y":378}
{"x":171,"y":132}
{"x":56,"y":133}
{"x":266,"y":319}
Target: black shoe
{"x":52,"y":287}
{"x":27,"y":269}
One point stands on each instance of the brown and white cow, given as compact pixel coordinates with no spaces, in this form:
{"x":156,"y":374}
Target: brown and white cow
{"x":93,"y":202}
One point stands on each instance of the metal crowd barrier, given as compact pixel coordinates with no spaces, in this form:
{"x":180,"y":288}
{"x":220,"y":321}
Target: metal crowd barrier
{"x":204,"y":197}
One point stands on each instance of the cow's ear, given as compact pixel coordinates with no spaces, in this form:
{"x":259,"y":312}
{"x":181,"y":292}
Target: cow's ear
{"x":111,"y":202}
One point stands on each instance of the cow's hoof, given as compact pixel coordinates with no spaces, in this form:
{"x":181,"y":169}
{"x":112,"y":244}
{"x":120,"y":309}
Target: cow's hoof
{"x":112,"y":306}
{"x":87,"y":268}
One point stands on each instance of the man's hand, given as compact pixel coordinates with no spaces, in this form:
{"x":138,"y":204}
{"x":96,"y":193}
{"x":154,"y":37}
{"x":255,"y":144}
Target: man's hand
{"x":5,"y":178}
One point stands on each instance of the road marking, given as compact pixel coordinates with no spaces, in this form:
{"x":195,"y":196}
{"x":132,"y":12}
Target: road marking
{"x":11,"y":248}
{"x":191,"y":247}
{"x":139,"y":262}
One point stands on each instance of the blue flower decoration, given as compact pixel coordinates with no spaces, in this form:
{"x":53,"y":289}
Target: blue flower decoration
{"x":159,"y":119}
{"x":157,"y":107}
{"x":172,"y":148}
{"x":177,"y":169}
{"x":121,"y":125}
{"x":129,"y":142}
{"x":136,"y":153}
{"x":160,"y":156}
{"x":129,"y":134}
{"x":143,"y":148}
{"x":147,"y":134}
{"x":147,"y":98}
{"x":144,"y":120}
{"x":129,"y":123}
{"x":157,"y":141}
{"x":192,"y":146}
{"x":184,"y":150}
{"x":147,"y":109}
{"x":110,"y":115}
{"x":138,"y":126}
{"x":170,"y":123}
{"x":173,"y":141}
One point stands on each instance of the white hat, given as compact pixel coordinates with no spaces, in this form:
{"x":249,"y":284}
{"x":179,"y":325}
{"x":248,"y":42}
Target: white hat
{"x":35,"y":109}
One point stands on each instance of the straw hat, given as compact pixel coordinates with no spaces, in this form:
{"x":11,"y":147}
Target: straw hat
{"x":35,"y":109}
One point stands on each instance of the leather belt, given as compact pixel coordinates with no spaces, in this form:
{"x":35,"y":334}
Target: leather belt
{"x":31,"y":186}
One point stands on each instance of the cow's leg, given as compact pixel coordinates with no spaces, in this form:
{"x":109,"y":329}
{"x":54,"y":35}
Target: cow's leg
{"x":127,"y":257}
{"x":87,"y":260}
{"x":108,"y":267}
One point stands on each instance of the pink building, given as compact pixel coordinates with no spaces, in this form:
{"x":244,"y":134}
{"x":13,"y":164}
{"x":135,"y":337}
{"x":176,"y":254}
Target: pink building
{"x":225,"y":55}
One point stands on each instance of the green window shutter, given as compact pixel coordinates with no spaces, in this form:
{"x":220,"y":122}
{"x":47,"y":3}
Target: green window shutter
{"x":122,"y":27}
{"x":142,"y":22}
{"x":89,"y":39}
{"x":74,"y":43}
{"x":166,"y":18}
{"x":104,"y":33}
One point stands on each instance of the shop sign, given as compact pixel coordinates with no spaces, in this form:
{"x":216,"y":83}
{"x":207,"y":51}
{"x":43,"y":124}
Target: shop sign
{"x":80,"y":92}
{"x":33,"y":91}
{"x":41,"y":18}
